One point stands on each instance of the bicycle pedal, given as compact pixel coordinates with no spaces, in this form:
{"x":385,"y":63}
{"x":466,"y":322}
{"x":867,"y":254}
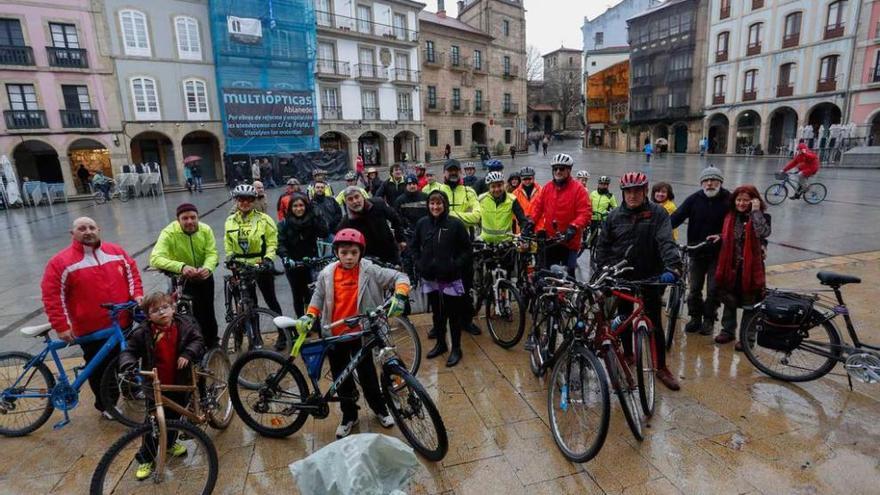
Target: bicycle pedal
{"x":64,"y":422}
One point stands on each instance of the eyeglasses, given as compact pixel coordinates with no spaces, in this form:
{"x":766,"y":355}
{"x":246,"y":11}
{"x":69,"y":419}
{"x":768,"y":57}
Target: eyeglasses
{"x":160,"y":309}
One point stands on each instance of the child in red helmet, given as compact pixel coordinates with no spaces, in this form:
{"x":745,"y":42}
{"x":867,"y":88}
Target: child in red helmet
{"x":346,"y":288}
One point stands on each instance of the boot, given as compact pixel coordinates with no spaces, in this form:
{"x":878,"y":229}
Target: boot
{"x":439,"y":348}
{"x":454,"y":357}
{"x":432,"y":333}
{"x":473,"y":329}
{"x":708,"y":327}
{"x":667,"y":378}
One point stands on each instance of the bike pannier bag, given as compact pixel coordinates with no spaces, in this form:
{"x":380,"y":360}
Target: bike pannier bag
{"x":781,"y":320}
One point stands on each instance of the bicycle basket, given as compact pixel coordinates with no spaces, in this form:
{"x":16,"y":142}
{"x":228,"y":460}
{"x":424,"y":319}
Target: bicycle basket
{"x":781,"y":175}
{"x":313,"y":355}
{"x":782,"y":318}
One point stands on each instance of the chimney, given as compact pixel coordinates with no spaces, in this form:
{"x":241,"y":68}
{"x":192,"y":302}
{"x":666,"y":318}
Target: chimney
{"x":441,"y":8}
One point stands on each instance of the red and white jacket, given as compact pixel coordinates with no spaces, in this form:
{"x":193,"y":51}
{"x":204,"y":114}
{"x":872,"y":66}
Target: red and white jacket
{"x":80,"y":278}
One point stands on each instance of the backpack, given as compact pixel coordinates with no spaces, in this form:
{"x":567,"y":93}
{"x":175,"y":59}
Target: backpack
{"x":783,"y":319}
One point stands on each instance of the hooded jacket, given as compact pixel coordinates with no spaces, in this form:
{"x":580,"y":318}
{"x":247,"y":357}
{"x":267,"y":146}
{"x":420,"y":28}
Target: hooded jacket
{"x":566,"y":205}
{"x":648,"y":231}
{"x":141,"y":347}
{"x":175,"y":249}
{"x":441,"y":246}
{"x":373,"y":221}
{"x":298,"y":236}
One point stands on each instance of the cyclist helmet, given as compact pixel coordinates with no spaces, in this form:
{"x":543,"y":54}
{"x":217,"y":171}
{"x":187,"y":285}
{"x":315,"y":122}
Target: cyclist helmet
{"x":351,"y":176}
{"x":244,"y":191}
{"x":350,"y":236}
{"x":562,"y":159}
{"x":494,"y":165}
{"x":419,"y":165}
{"x":372,"y":170}
{"x":526,"y":172}
{"x":492,"y":177}
{"x":604,"y":180}
{"x":318,"y":172}
{"x":582,"y":174}
{"x":468,"y":165}
{"x":633,"y":179}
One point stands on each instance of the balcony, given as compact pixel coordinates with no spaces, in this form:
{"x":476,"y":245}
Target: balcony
{"x":511,"y":72}
{"x":404,"y":114}
{"x":67,"y":57}
{"x":16,"y":55}
{"x":460,"y":106}
{"x":459,"y":63}
{"x":371,"y":72}
{"x":875,"y":73}
{"x":757,"y":4}
{"x":679,"y":75}
{"x":481,"y":107}
{"x":79,"y":119}
{"x":784,"y":90}
{"x":331,"y":112}
{"x":435,"y":105}
{"x":511,"y":109}
{"x":718,"y":99}
{"x":725,"y":12}
{"x":833,"y":31}
{"x":433,"y":58}
{"x":25,"y":119}
{"x":791,"y":40}
{"x":750,"y":95}
{"x":826,"y":84}
{"x":406,"y":76}
{"x":370,"y":113}
{"x":330,"y":21}
{"x":721,"y":56}
{"x":753,"y":49}
{"x":326,"y":68}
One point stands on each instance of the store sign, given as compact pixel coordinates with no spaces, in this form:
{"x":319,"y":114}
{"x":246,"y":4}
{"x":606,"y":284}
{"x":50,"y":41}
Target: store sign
{"x":254,"y":113}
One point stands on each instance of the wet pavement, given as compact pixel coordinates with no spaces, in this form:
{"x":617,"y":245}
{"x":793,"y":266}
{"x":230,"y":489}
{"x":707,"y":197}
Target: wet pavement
{"x":729,"y":430}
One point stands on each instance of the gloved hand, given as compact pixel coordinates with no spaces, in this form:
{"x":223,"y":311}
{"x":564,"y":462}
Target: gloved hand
{"x":668,"y":278}
{"x":304,"y":324}
{"x":267,"y":264}
{"x":397,"y":305}
{"x":528,"y":229}
{"x":570,"y":233}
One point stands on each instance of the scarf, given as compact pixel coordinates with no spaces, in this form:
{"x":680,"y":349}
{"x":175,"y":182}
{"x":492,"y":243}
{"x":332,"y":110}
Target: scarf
{"x":753,"y":276}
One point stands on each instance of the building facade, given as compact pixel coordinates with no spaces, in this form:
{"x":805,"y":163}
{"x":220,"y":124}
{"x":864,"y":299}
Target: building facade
{"x":164,"y":67}
{"x":607,"y":107}
{"x":774,"y":68}
{"x":864,"y":105}
{"x":59,"y":98}
{"x":609,"y":28}
{"x":667,"y":74}
{"x":563,"y":79}
{"x":367,"y":79}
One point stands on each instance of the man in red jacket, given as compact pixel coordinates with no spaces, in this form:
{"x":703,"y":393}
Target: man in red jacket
{"x":563,"y":206}
{"x":78,"y":280}
{"x":807,"y":164}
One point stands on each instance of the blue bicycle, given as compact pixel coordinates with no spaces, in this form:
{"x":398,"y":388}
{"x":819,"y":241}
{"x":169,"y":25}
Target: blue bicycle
{"x":30,"y":393}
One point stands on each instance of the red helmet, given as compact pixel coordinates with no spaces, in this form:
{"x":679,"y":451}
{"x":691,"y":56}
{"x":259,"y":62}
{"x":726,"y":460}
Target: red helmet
{"x":633,"y":179}
{"x":350,"y":236}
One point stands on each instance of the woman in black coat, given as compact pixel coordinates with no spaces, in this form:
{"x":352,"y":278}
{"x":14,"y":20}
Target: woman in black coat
{"x":441,"y":248}
{"x":298,"y":236}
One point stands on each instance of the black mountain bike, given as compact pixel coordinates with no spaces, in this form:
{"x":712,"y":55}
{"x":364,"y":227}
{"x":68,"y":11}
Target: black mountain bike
{"x":504,"y":307}
{"x":678,"y":292}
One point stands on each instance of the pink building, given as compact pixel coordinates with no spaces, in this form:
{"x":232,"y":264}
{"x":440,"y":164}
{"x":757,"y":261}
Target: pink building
{"x":864,"y":108}
{"x":58,"y":95}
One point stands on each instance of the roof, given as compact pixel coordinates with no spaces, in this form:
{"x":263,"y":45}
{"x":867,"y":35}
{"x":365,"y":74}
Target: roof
{"x":562,"y":49}
{"x":657,"y":8}
{"x":609,"y":49}
{"x":450,"y":22}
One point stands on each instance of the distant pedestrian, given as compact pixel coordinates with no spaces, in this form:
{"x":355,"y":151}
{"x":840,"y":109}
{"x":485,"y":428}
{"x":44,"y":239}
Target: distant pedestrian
{"x":704,"y":145}
{"x":359,"y":169}
{"x":447,"y":151}
{"x":537,"y":144}
{"x":188,"y":175}
{"x":196,"y":171}
{"x":513,"y":152}
{"x":82,"y":173}
{"x":545,"y":143}
{"x":255,"y":170}
{"x":649,"y":150}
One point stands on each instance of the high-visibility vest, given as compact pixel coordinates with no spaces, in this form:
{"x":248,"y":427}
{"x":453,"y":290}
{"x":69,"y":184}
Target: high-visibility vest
{"x":497,"y":218}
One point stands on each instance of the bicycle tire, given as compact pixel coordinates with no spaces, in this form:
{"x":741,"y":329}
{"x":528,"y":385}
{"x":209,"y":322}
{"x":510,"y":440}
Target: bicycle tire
{"x":219,"y":405}
{"x":135,"y":437}
{"x":262,"y":394}
{"x":125,"y":401}
{"x":563,"y":365}
{"x":409,"y":355}
{"x":815,"y":193}
{"x":236,"y":340}
{"x":646,"y":369}
{"x":100,"y":198}
{"x":625,"y":394}
{"x":477,"y":291}
{"x":123,"y":196}
{"x":673,"y":310}
{"x":418,"y":403}
{"x":541,"y":331}
{"x":496,"y":323}
{"x":47,"y":376}
{"x":762,"y":359}
{"x":776,"y":193}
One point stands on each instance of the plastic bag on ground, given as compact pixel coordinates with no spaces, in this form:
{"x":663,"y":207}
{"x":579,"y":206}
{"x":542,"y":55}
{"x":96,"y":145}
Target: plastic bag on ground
{"x":366,"y":464}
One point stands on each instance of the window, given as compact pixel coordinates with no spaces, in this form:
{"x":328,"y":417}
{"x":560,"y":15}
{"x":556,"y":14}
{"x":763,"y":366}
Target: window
{"x":400,"y":30}
{"x":478,"y":98}
{"x":323,"y":13}
{"x":718,"y":86}
{"x":430,"y":55}
{"x":75,"y":97}
{"x":370,"y":104}
{"x":404,"y":106}
{"x":326,"y":52}
{"x":135,"y":39}
{"x":791,"y":34}
{"x":681,"y":61}
{"x":505,"y":27}
{"x":432,"y":137}
{"x":146,"y":98}
{"x":725,"y":9}
{"x":506,"y":65}
{"x":828,"y":68}
{"x":754,"y":46}
{"x":722,"y":46}
{"x":875,"y":77}
{"x":679,"y":96}
{"x":834,"y":19}
{"x":283,"y":44}
{"x":599,"y":39}
{"x":785,"y":86}
{"x":507,"y":136}
{"x":189,"y":46}
{"x":10,"y":33}
{"x":366,"y":56}
{"x":22,"y":96}
{"x":750,"y":85}
{"x":432,"y":96}
{"x":456,"y":137}
{"x":456,"y":98}
{"x":478,"y":60}
{"x":507,"y":102}
{"x":196,"y":93}
{"x":330,"y":108}
{"x":456,"y":55}
{"x":364,"y":19}
{"x":64,"y":35}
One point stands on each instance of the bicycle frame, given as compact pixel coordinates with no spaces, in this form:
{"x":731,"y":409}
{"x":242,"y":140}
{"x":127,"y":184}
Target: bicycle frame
{"x":609,"y":339}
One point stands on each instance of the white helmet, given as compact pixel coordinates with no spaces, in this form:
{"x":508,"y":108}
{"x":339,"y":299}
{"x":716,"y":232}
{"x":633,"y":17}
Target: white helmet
{"x":562,"y":159}
{"x":582,"y":174}
{"x":244,"y":190}
{"x":494,"y":177}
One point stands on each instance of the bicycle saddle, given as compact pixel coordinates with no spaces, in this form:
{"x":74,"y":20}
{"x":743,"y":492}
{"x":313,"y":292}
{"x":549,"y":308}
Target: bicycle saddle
{"x":36,"y":330}
{"x":283,"y":322}
{"x":831,"y":278}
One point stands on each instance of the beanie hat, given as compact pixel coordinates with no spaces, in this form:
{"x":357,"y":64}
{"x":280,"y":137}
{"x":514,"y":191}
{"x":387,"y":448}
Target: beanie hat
{"x":711,"y":172}
{"x":185,"y":207}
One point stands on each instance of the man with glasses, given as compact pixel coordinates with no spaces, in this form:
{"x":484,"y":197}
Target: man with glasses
{"x":527,"y":192}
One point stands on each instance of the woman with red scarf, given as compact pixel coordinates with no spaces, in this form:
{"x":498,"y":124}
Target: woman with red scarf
{"x":740,"y":276}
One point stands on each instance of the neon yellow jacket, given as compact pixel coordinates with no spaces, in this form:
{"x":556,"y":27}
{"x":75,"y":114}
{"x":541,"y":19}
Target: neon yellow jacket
{"x":175,"y":249}
{"x":463,"y":204}
{"x":496,"y":219}
{"x":602,"y":204}
{"x":250,"y":239}
{"x":429,"y":188}
{"x":670,"y":208}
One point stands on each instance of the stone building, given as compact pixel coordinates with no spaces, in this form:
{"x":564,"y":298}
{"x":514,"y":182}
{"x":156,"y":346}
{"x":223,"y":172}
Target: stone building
{"x":563,"y":72}
{"x":59,"y":98}
{"x":474,"y":87}
{"x":609,"y":28}
{"x":864,"y":106}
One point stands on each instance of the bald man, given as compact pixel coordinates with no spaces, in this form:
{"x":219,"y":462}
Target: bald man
{"x":80,"y":278}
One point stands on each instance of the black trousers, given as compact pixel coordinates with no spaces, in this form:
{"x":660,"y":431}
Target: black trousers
{"x":702,"y":273}
{"x":340,"y":357}
{"x":150,"y":445}
{"x":202,"y":294}
{"x":266,"y":283}
{"x":450,"y":309}
{"x":299,"y":279}
{"x":90,"y":349}
{"x":652,"y":297}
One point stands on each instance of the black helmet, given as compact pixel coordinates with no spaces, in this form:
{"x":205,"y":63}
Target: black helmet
{"x":527,"y":172}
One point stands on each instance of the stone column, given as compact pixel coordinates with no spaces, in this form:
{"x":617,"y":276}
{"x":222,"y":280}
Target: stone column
{"x":388,"y":151}
{"x":764,"y":136}
{"x":731,"y":137}
{"x":352,"y":153}
{"x":178,"y":160}
{"x":67,"y":174}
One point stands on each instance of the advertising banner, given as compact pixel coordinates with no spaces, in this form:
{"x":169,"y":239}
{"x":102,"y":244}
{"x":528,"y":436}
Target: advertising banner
{"x":261,"y":113}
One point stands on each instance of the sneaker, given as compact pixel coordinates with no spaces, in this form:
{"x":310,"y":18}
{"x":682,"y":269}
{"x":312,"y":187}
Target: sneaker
{"x":667,"y":378}
{"x":386,"y":420}
{"x":345,"y":428}
{"x":724,"y":338}
{"x":693,"y":326}
{"x":177,"y":450}
{"x":144,"y":471}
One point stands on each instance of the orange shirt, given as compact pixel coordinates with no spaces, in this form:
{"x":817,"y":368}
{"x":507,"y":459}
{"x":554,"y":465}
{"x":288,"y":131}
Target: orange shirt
{"x":345,"y":295}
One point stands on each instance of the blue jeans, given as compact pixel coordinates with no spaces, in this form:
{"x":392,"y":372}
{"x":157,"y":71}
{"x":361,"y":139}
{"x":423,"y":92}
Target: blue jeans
{"x":198,"y":182}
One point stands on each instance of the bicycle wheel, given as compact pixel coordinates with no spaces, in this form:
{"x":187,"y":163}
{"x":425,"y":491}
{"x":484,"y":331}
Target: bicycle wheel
{"x":19,"y":415}
{"x":477,"y":290}
{"x":626,"y":393}
{"x":542,"y":327}
{"x":273,"y":409}
{"x":776,"y":193}
{"x":123,"y":195}
{"x":254,"y":330}
{"x":215,"y":398}
{"x":405,"y":338}
{"x":814,"y":357}
{"x":645,"y":368}
{"x":194,"y":472}
{"x":673,"y":309}
{"x":100,"y":198}
{"x":578,"y":404}
{"x":815,"y":193}
{"x":505,"y":317}
{"x":123,"y":399}
{"x":414,"y":412}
